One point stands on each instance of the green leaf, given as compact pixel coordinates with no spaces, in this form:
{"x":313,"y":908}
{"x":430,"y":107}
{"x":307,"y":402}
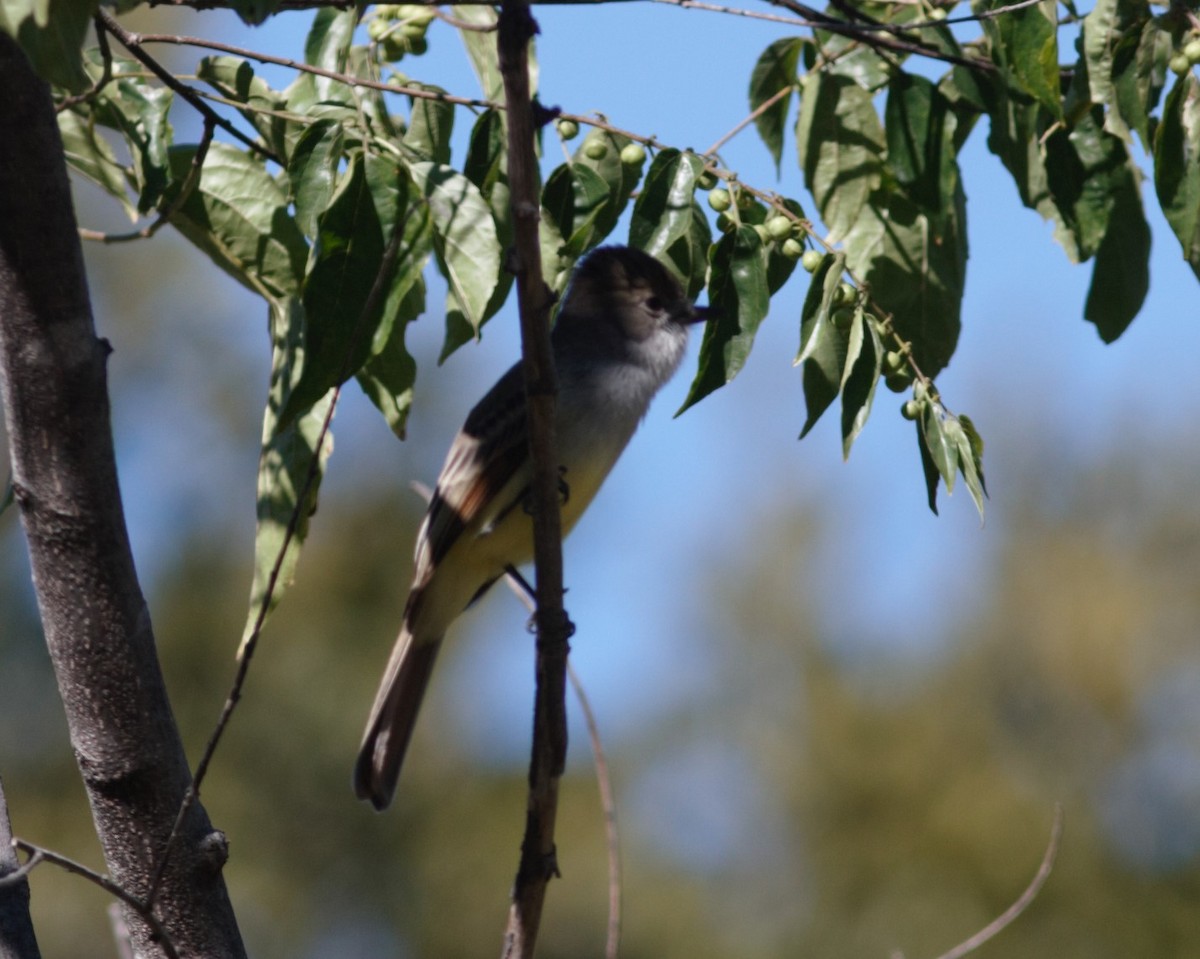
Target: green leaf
{"x":847,"y":57}
{"x":255,"y":12}
{"x":572,"y":199}
{"x":90,"y":156}
{"x":1177,"y":165}
{"x":389,"y":375}
{"x":340,"y":320}
{"x":662,"y":214}
{"x":919,"y":150}
{"x":943,"y":450}
{"x":430,"y":126}
{"x":824,"y":347}
{"x":1086,"y":169}
{"x":864,"y":361}
{"x":51,"y":34}
{"x":1025,"y":45}
{"x":237,"y":214}
{"x":737,"y":288}
{"x":286,"y":495}
{"x":1112,"y":32}
{"x":621,"y":179}
{"x":915,"y":267}
{"x":328,"y":46}
{"x":841,"y":143}
{"x":312,"y":171}
{"x":774,"y":71}
{"x":688,"y":255}
{"x":1121,"y":276}
{"x":928,"y":468}
{"x":970,"y":461}
{"x":138,"y":110}
{"x":234,"y":79}
{"x":465,"y":241}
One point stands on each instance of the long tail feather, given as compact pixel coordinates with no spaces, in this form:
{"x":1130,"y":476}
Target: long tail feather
{"x":393,"y":717}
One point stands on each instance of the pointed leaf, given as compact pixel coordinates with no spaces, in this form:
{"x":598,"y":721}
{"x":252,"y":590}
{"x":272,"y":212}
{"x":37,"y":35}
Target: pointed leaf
{"x":774,"y":72}
{"x":737,"y":288}
{"x":90,"y":156}
{"x":864,"y":362}
{"x":841,"y":143}
{"x":1025,"y":45}
{"x":1177,"y":165}
{"x":237,"y":214}
{"x":287,"y":496}
{"x":662,"y":214}
{"x":1121,"y":276}
{"x":312,"y":171}
{"x":430,"y":126}
{"x":465,"y":242}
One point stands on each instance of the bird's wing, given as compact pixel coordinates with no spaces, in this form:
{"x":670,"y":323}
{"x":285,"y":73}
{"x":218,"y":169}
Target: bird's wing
{"x":489,"y":453}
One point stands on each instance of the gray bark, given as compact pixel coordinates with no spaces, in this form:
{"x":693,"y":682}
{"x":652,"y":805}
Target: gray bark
{"x":54,"y":388}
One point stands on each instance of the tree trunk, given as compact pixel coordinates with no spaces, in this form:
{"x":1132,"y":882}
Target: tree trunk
{"x":52,"y":373}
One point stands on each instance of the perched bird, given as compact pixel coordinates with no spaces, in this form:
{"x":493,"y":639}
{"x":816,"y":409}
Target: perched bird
{"x":620,"y":335}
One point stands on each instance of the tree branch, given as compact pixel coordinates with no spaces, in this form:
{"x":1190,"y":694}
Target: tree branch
{"x":538,"y":865}
{"x":97,"y":627}
{"x":17,"y":939}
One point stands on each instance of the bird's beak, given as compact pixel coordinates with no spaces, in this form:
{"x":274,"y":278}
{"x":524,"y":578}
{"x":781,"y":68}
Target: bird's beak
{"x":698,"y":314}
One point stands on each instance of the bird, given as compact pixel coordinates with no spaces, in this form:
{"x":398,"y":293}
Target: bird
{"x":620,"y":335}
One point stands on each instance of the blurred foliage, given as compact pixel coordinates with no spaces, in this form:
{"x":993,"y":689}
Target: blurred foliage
{"x":801,"y":806}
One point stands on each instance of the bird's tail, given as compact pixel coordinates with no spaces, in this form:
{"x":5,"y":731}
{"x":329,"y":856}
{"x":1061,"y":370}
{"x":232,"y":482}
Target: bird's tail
{"x":393,"y":716}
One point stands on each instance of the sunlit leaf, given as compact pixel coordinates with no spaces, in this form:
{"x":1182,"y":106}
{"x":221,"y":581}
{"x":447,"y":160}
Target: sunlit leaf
{"x":841,"y":144}
{"x":237,"y":214}
{"x":51,"y":34}
{"x":312,"y":171}
{"x":1177,"y":165}
{"x":465,"y":242}
{"x":1025,"y":45}
{"x":864,"y":361}
{"x":290,"y":468}
{"x":662,"y":214}
{"x":824,"y":343}
{"x":90,"y":156}
{"x":430,"y":126}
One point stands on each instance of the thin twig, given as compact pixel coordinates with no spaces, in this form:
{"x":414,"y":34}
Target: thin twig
{"x":38,"y":854}
{"x":106,"y":73}
{"x":133,"y":43}
{"x":246,"y":653}
{"x":608,"y":804}
{"x":897,"y":42}
{"x":189,"y":184}
{"x":465,"y":24}
{"x":758,"y":112}
{"x":524,"y":592}
{"x":1022,"y":903}
{"x":346,"y":78}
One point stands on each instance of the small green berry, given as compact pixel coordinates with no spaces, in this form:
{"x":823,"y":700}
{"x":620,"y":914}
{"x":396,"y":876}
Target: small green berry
{"x":1191,"y":50}
{"x":937,"y":13}
{"x":842,"y":318}
{"x":779,"y":227}
{"x":1179,"y":64}
{"x":568,"y":129}
{"x":726,"y":223}
{"x":595,"y":149}
{"x":377,"y":28}
{"x":846,"y":293}
{"x":744,"y":200}
{"x":899,"y":381}
{"x":394,"y":47}
{"x":893,"y":361}
{"x":720,"y":200}
{"x":811,"y":260}
{"x":910,"y":410}
{"x":792,"y":248}
{"x":417,"y":45}
{"x":707,"y":180}
{"x":633,"y":154}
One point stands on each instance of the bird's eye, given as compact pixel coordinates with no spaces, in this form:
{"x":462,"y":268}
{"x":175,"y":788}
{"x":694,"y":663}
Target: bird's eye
{"x":655,"y":304}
